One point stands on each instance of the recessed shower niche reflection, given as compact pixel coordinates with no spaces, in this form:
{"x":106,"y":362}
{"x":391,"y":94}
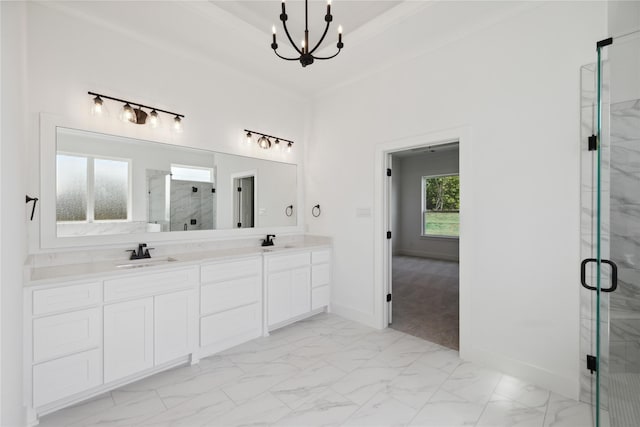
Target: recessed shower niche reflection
{"x":108,"y":184}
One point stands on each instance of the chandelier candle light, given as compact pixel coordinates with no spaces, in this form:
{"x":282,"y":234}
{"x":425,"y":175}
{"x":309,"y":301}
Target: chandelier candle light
{"x":306,"y":54}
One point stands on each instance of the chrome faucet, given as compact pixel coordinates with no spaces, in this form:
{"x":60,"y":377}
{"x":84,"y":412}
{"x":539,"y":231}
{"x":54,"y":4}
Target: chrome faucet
{"x":268,"y":241}
{"x":142,"y":253}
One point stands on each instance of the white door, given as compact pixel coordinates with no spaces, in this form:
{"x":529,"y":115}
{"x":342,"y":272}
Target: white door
{"x":300,"y":291}
{"x":174,"y":320}
{"x":278,"y":297}
{"x":128,"y":338}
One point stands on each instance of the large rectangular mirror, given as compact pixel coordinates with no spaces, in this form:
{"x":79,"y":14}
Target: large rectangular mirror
{"x":108,"y":184}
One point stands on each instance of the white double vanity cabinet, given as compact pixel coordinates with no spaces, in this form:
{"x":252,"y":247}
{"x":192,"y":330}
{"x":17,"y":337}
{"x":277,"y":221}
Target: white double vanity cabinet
{"x":94,"y":327}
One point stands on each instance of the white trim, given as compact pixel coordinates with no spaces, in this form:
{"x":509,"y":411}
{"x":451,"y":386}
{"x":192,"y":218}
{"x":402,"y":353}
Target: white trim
{"x":253,"y":173}
{"x":381,"y":218}
{"x":424,"y":254}
{"x":566,"y":386}
{"x":355,"y":315}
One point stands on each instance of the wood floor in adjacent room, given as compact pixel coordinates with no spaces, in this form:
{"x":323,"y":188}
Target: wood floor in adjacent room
{"x":425,"y":299}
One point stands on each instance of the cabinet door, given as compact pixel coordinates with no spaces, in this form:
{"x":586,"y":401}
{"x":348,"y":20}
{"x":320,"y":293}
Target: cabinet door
{"x":300,"y":291}
{"x":174,"y":319}
{"x":128,"y":338}
{"x":279,"y":297}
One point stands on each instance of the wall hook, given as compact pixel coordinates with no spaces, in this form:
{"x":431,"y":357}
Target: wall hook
{"x":35,"y":201}
{"x":288,"y":210}
{"x":315,"y":211}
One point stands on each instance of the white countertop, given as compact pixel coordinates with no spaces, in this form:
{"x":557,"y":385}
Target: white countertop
{"x":103,"y":269}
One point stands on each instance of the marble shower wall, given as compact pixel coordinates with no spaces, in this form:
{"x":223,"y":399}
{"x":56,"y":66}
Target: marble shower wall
{"x":625,"y":236}
{"x":192,"y":201}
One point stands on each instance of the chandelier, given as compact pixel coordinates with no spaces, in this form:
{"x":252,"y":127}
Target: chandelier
{"x":306,"y":54}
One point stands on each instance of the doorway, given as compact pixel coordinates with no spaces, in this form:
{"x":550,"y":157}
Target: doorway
{"x":244,"y":200}
{"x":424,"y":210}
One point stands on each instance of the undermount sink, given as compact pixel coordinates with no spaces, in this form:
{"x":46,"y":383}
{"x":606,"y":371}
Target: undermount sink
{"x":148,"y":262}
{"x":278,"y":248}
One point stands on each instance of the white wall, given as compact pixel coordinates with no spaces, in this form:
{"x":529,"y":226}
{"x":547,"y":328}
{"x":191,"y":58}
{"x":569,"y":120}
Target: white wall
{"x":12,"y":208}
{"x":515,"y":84}
{"x":409,"y":214}
{"x":69,"y":55}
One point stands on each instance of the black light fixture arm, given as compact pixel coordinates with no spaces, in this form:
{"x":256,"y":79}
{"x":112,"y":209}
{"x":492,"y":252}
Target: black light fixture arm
{"x":324,"y":34}
{"x":135,"y":103}
{"x":306,"y":52}
{"x":284,"y":57}
{"x":286,"y":31}
{"x":268,"y":136}
{"x":327,"y":57}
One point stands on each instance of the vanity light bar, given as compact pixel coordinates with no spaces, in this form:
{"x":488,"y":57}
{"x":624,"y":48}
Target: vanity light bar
{"x":265,"y":142}
{"x":138,"y":118}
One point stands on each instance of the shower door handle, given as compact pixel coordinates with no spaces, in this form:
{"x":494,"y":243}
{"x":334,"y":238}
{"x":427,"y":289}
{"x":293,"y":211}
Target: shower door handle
{"x":614,"y":274}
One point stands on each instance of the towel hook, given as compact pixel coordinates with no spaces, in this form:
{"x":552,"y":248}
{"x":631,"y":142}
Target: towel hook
{"x":288,"y":211}
{"x":35,"y":201}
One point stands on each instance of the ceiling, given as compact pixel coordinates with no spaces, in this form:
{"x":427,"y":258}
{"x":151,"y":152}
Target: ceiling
{"x":236,"y":35}
{"x":263,"y":14}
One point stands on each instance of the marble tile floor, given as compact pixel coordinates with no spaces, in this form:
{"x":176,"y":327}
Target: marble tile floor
{"x":426,"y":299}
{"x":328,"y":371}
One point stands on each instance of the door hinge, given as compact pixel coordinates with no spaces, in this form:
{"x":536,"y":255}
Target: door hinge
{"x":239,"y":189}
{"x":388,"y":297}
{"x":239,"y":225}
{"x":388,"y":172}
{"x":592,"y":363}
{"x":593,"y":143}
{"x":388,"y":234}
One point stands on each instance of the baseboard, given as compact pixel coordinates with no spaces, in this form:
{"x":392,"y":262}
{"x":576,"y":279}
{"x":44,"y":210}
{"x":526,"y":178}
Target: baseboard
{"x":541,"y":377}
{"x":367,"y":319}
{"x":431,"y":255}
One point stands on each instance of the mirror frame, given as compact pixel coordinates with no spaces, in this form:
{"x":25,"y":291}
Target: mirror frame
{"x":48,"y":238}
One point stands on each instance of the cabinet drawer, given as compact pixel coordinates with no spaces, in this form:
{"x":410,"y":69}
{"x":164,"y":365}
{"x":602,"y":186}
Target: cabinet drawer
{"x":320,"y":275}
{"x":65,"y":298}
{"x":318,"y":257}
{"x":230,"y":294}
{"x":150,"y":284}
{"x":66,"y":333}
{"x":282,"y":262}
{"x":320,"y":297}
{"x":229,"y":324}
{"x":65,"y":377}
{"x":221,"y":272}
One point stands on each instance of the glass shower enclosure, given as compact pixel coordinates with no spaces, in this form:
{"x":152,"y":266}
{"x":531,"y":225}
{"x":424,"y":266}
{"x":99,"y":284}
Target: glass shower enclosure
{"x":610,"y":233}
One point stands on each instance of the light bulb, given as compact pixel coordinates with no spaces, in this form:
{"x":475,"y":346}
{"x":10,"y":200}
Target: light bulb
{"x":153,"y":119}
{"x":248,"y":138}
{"x":289,"y":145}
{"x":96,"y":107}
{"x":128,"y":115}
{"x":273,"y":28}
{"x":339,"y":29}
{"x":277,"y":144}
{"x":264,"y":142}
{"x":303,"y":44}
{"x":177,"y":124}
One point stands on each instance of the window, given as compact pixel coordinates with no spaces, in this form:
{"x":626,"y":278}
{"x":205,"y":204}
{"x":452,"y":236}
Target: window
{"x":441,"y":205}
{"x":92,"y":189}
{"x":191,"y":173}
